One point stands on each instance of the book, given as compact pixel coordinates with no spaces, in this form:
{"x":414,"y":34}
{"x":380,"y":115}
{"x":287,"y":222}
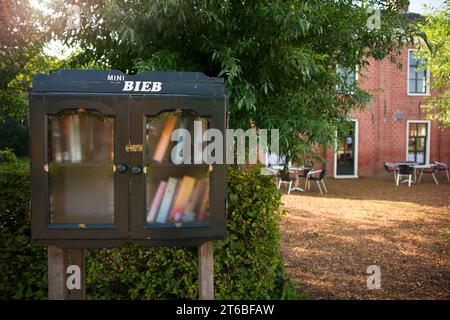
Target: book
{"x":151,"y":214}
{"x":200,"y":126}
{"x":194,"y":199}
{"x":102,"y":142}
{"x":164,"y":139}
{"x":56,"y":141}
{"x":84,"y":136}
{"x":177,"y":154}
{"x":64,"y":120}
{"x":74,"y":138}
{"x":175,"y":195}
{"x":166,"y":202}
{"x":202,"y":211}
{"x":110,"y":138}
{"x":89,"y":132}
{"x":184,"y":192}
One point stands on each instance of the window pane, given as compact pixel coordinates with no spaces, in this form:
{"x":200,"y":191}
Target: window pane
{"x":420,"y":157}
{"x":420,"y":144}
{"x":413,"y":129}
{"x":420,"y":86}
{"x":412,"y":59}
{"x":347,"y":75}
{"x":421,"y":75}
{"x":412,"y":86}
{"x":412,"y":144}
{"x":422,"y":129}
{"x":81,"y":178}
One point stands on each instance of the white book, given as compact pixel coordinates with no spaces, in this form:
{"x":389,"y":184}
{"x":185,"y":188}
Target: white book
{"x":74,"y":138}
{"x":166,"y":202}
{"x":56,"y":141}
{"x":77,"y":138}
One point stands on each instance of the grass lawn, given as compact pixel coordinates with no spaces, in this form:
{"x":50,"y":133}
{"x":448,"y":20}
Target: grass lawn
{"x":329,"y":240}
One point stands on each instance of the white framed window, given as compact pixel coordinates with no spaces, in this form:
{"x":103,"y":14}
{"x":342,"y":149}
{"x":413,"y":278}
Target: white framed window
{"x":418,"y":141}
{"x":418,"y":78}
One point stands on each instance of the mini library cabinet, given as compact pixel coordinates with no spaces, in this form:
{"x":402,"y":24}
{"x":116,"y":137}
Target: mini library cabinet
{"x":117,"y":158}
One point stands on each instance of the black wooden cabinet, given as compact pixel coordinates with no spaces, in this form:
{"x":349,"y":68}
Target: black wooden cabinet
{"x":107,"y":164}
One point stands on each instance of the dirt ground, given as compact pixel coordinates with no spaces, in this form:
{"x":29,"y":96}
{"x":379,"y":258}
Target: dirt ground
{"x":328,"y":241}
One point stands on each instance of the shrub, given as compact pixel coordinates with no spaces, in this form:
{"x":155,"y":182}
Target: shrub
{"x":7,"y":156}
{"x":23,"y":266}
{"x":248,"y":264}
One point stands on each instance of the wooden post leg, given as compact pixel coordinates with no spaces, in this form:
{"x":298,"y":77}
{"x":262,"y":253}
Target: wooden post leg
{"x":206,"y":271}
{"x":77,"y":258}
{"x":57,"y":264}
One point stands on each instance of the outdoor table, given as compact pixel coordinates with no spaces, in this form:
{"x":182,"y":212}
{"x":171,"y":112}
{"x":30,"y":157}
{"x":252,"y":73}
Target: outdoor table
{"x":415,"y":167}
{"x":296,"y":169}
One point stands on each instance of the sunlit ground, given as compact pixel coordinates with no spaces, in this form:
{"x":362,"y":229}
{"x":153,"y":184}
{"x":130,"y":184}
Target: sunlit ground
{"x":329,"y":241}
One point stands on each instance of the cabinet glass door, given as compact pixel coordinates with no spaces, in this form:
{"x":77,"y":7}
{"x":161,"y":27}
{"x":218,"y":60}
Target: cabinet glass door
{"x":177,"y":189}
{"x":81,"y":168}
{"x":177,"y":195}
{"x":78,"y":149}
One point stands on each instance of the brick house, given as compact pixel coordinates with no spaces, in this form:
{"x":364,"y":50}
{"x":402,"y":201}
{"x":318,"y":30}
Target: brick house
{"x":394,"y":128}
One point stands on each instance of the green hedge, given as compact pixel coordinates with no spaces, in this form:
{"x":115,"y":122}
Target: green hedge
{"x":23,"y":268}
{"x":247,"y":266}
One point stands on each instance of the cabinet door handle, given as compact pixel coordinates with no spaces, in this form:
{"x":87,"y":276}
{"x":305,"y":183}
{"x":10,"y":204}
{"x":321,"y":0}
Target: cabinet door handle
{"x":136,"y":169}
{"x":122,"y":168}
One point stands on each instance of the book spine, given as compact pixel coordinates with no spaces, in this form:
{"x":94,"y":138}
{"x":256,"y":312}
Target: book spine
{"x":178,"y":152}
{"x":111,"y":139}
{"x":56,"y":140}
{"x":65,"y":135}
{"x":202,"y":212}
{"x":200,"y":126}
{"x":88,"y":132}
{"x":194,"y":197}
{"x":72,"y":147}
{"x":151,"y":214}
{"x":76,"y":138}
{"x":194,"y":201}
{"x":164,"y":140}
{"x":163,"y":211}
{"x":186,"y":187}
{"x":84,"y":137}
{"x":100,"y":140}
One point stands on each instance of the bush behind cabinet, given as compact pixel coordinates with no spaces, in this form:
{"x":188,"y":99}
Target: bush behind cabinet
{"x":247,"y":266}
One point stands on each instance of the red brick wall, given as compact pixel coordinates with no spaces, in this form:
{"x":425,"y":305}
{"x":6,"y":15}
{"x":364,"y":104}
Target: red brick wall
{"x":381,"y":136}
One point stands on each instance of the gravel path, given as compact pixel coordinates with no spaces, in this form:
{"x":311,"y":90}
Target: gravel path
{"x":329,"y":241}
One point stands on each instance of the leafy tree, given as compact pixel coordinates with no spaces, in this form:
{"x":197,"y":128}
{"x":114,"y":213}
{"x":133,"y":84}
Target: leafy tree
{"x":23,"y":34}
{"x":14,"y":124}
{"x":435,"y":53}
{"x":278,"y":57}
